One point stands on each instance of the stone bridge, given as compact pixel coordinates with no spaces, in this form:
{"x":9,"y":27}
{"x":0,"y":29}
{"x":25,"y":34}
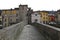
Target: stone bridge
{"x":22,"y":31}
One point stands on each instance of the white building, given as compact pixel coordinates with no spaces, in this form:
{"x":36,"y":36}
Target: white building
{"x":35,"y":17}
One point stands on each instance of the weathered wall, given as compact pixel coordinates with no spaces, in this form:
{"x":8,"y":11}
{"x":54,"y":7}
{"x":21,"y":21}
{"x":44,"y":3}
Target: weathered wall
{"x":50,"y":32}
{"x":11,"y":32}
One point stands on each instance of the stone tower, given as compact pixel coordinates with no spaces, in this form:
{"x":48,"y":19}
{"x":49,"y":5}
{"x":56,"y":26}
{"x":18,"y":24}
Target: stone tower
{"x":23,"y":12}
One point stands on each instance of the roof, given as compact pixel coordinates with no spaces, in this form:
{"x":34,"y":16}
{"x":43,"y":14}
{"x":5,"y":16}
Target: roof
{"x":5,"y":9}
{"x":16,"y":8}
{"x":0,"y":11}
{"x":43,"y":11}
{"x":52,"y":12}
{"x":58,"y":10}
{"x":10,"y":9}
{"x":23,"y":5}
{"x":36,"y":11}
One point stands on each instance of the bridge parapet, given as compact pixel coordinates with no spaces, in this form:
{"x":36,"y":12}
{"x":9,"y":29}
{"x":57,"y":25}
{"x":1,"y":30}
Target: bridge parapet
{"x":11,"y":32}
{"x":50,"y":32}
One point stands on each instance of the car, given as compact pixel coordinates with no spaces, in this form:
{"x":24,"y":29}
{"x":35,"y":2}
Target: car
{"x":52,"y":23}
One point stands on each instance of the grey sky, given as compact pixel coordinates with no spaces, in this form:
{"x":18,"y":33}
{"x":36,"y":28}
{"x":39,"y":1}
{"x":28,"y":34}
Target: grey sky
{"x":34,"y":4}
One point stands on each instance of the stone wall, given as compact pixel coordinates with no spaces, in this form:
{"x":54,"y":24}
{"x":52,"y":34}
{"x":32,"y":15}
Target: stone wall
{"x":49,"y":32}
{"x":11,"y":32}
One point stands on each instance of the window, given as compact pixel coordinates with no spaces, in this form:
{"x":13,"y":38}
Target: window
{"x":10,"y":19}
{"x":46,"y":18}
{"x":44,"y":22}
{"x":7,"y":12}
{"x":46,"y":15}
{"x":17,"y":20}
{"x":35,"y":14}
{"x":43,"y":17}
{"x":23,"y":7}
{"x":36,"y":20}
{"x":0,"y":22}
{"x":14,"y":12}
{"x":16,"y":15}
{"x":0,"y":14}
{"x":5,"y":20}
{"x":43,"y":13}
{"x":5,"y":24}
{"x":3,"y":11}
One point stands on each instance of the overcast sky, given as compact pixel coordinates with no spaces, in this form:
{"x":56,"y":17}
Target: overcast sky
{"x":34,"y":4}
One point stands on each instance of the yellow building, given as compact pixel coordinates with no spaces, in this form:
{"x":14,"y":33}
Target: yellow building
{"x":5,"y":14}
{"x":13,"y":16}
{"x":5,"y":21}
{"x":0,"y":21}
{"x":9,"y":17}
{"x":0,"y":18}
{"x":9,"y":12}
{"x":13,"y":11}
{"x":44,"y":16}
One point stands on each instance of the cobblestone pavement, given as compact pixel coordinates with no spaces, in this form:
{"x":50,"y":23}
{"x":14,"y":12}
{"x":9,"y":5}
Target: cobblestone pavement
{"x":30,"y":33}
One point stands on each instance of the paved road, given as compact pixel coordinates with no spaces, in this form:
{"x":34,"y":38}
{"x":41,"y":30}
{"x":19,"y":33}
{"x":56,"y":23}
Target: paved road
{"x":30,"y":33}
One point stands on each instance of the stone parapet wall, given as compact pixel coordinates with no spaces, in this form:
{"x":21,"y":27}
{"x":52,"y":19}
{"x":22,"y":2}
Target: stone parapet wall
{"x":11,"y":32}
{"x":49,"y":32}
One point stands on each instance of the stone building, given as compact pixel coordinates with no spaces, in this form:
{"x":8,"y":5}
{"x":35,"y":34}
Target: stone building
{"x":0,"y":19}
{"x":6,"y":21}
{"x":23,"y":12}
{"x":10,"y":16}
{"x":17,"y":15}
{"x":5,"y":17}
{"x":30,"y":11}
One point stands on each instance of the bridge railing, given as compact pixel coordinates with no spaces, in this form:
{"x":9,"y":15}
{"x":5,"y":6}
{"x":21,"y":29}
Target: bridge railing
{"x":11,"y":32}
{"x":49,"y":32}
